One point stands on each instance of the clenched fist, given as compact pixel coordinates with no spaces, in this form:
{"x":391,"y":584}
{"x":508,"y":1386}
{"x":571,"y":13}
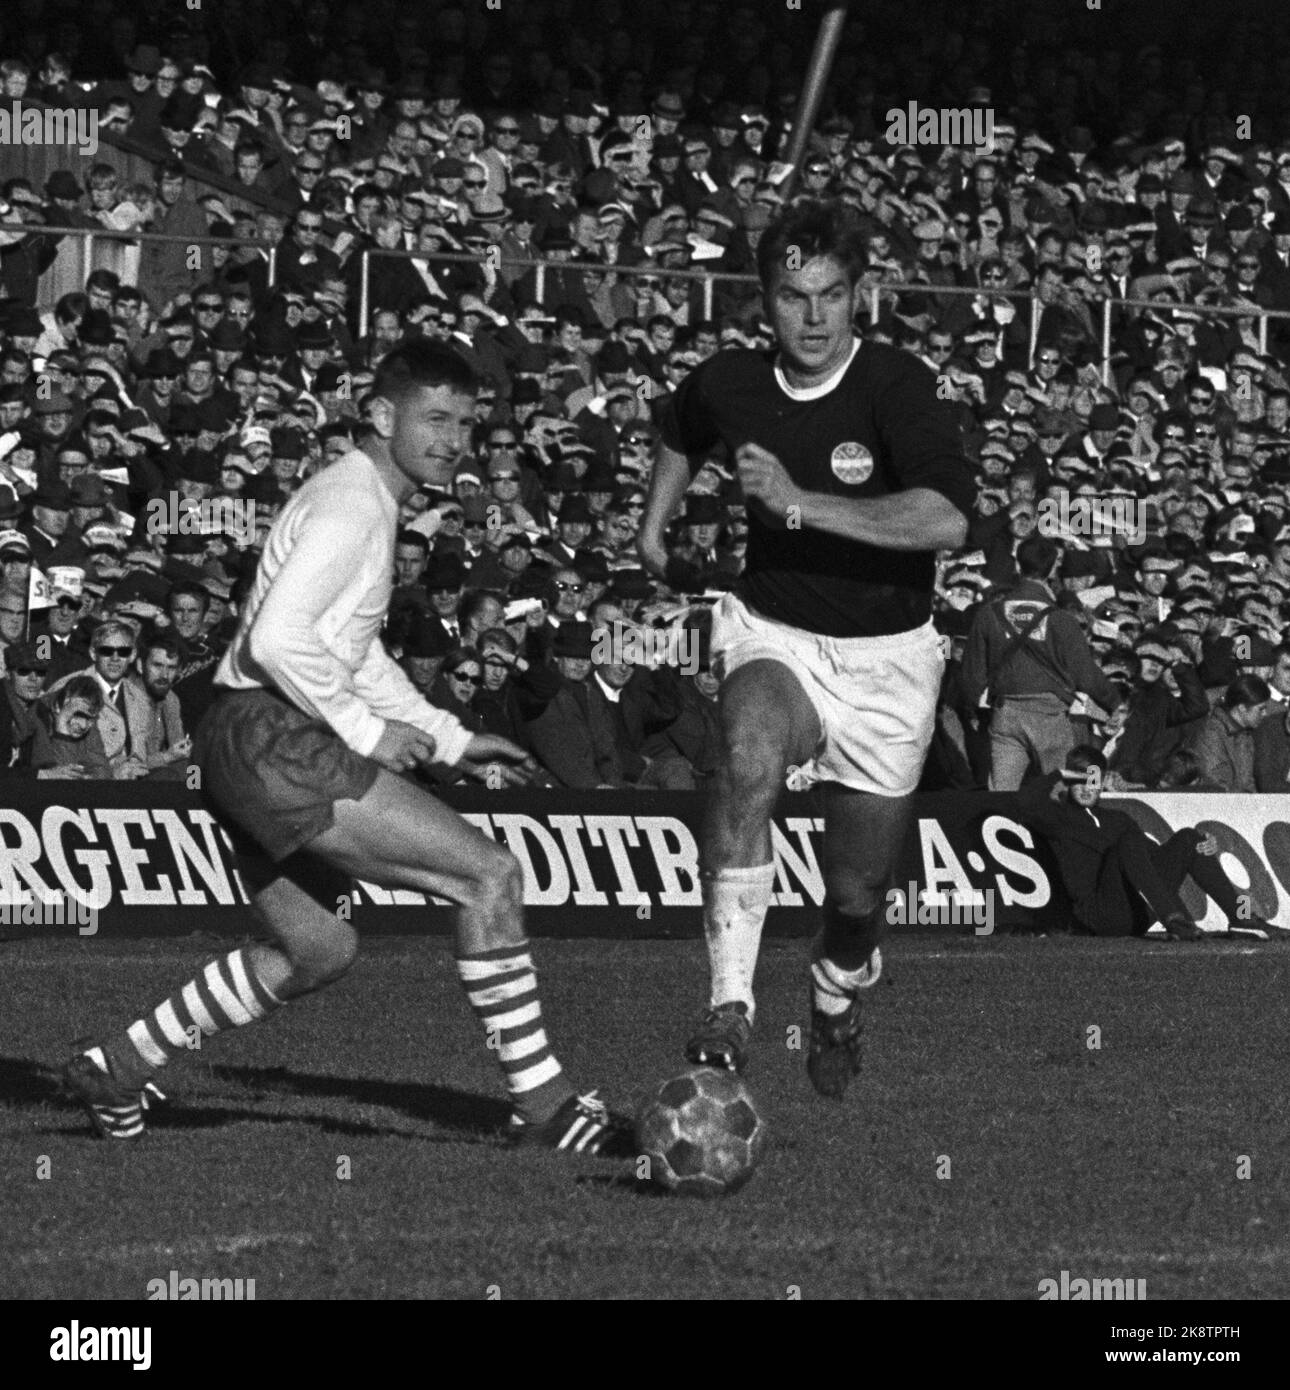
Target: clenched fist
{"x":764,"y":479}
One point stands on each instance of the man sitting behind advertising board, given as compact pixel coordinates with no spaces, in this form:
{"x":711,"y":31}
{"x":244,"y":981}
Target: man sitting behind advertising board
{"x":1119,"y":880}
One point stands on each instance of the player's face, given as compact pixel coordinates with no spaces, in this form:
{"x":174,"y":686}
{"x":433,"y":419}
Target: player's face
{"x":431,"y":430}
{"x":812,"y":310}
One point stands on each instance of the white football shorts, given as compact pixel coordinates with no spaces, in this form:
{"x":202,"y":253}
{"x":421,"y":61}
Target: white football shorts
{"x":875,"y":696}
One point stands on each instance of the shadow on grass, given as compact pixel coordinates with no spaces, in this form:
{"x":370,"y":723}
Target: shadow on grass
{"x":469,"y":1117}
{"x":462,"y":1111}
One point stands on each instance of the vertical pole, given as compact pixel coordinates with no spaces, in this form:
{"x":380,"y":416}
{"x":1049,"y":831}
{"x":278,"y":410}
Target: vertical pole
{"x":707,"y":298}
{"x":1106,"y":342}
{"x":364,"y":287}
{"x":87,"y":257}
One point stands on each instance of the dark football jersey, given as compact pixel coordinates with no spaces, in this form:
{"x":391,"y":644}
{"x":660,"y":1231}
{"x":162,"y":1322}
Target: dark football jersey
{"x":881,"y":429}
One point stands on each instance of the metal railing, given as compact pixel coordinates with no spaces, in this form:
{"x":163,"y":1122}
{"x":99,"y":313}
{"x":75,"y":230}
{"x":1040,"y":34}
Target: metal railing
{"x":708,"y":278}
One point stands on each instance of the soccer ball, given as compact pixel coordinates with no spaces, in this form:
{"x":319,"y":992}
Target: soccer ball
{"x":701,"y":1133}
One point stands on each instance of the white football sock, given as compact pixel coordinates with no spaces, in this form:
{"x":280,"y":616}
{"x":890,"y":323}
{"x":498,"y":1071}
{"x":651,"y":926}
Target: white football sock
{"x":832,"y":988}
{"x":735,"y":902}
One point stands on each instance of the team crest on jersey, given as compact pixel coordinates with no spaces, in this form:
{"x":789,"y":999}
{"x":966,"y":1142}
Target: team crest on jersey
{"x":852,"y":463}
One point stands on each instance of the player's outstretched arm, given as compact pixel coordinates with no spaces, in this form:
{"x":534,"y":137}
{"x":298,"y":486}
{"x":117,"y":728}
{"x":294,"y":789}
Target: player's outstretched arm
{"x":667,"y":486}
{"x":497,"y":761}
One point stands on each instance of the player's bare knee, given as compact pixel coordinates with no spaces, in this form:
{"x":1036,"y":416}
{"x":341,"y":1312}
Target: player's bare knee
{"x":751,"y":770}
{"x":498,"y":883}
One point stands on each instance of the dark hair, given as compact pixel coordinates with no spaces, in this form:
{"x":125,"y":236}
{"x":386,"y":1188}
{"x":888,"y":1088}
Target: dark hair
{"x":458,"y":656}
{"x":72,"y":306}
{"x":416,"y":363}
{"x":499,"y":637}
{"x":1246,"y":690}
{"x":161,"y":642}
{"x":409,"y":537}
{"x":77,"y":688}
{"x":1036,"y":556}
{"x":191,"y":589}
{"x":472,"y":604}
{"x":1182,"y":769}
{"x":1082,"y":757}
{"x":812,"y":229}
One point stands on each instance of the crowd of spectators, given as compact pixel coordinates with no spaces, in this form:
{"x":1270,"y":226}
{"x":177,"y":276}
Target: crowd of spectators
{"x":155,"y":416}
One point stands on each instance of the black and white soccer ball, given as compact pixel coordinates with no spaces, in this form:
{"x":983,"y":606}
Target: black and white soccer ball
{"x":701,"y":1134}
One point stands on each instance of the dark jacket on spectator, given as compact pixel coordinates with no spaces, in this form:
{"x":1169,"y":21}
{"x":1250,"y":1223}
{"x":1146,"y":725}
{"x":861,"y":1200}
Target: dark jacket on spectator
{"x":584,"y":740}
{"x":1154,"y":728}
{"x":1272,"y":751}
{"x":522,"y":699}
{"x":1226,"y":753}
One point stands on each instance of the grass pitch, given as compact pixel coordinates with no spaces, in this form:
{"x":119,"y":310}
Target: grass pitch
{"x":993,"y":1141}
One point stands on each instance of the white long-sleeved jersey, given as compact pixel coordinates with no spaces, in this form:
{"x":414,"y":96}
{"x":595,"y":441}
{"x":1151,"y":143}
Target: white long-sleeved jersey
{"x":311,"y":624}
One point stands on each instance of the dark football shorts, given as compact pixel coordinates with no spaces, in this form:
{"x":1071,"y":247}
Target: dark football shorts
{"x":275,"y":772}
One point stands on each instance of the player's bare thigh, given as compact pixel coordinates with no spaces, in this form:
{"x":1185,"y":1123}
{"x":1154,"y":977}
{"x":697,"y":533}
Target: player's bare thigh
{"x":767,"y":725}
{"x":400,"y":836}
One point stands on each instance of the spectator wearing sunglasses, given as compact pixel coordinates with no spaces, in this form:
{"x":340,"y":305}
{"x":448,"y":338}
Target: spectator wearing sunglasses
{"x":458,"y":685}
{"x":26,"y":674}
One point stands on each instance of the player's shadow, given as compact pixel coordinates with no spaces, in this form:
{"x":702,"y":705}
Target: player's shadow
{"x":463,"y":1112}
{"x":24,"y":1082}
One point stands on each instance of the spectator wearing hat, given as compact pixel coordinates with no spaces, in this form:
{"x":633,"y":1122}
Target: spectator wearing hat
{"x":26,"y":673}
{"x":422,"y":651}
{"x":573,"y":528}
{"x":517,"y":241}
{"x":697,"y":555}
{"x":66,"y":641}
{"x":445,"y":580}
{"x":589,"y":734}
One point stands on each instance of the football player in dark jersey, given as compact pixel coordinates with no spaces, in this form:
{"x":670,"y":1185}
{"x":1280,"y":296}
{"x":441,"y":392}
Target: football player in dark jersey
{"x":854,"y":476}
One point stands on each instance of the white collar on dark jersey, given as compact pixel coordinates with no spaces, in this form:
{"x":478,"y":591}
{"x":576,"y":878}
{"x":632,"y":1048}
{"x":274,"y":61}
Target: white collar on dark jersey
{"x":813,"y":393}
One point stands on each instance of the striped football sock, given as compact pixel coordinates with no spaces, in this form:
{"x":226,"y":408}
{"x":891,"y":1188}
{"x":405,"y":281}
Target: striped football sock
{"x":833,"y":988}
{"x":226,"y":994}
{"x":502,"y":988}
